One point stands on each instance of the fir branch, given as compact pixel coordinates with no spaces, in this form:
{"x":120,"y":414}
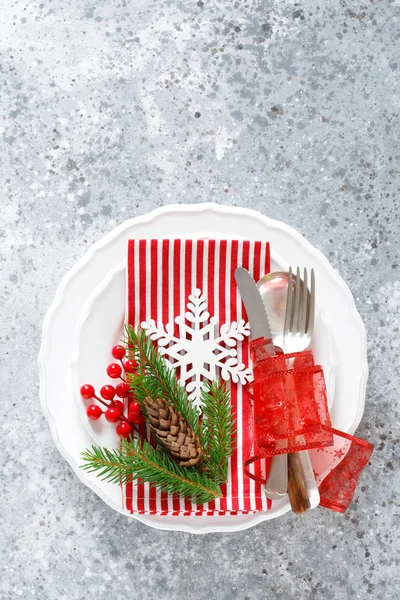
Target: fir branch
{"x":219,"y":429}
{"x":136,"y":459}
{"x":156,"y":378}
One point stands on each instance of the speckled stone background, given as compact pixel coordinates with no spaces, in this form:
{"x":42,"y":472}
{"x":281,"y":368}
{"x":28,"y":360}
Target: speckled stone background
{"x":114,"y":107}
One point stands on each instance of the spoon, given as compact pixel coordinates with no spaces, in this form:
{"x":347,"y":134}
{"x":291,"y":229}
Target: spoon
{"x":273,"y":290}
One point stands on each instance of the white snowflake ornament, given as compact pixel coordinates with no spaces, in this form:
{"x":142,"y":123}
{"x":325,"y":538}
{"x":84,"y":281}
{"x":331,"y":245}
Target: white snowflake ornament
{"x":200,"y":349}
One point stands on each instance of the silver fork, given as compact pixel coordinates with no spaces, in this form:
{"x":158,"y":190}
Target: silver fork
{"x":300,"y":313}
{"x":297,"y":336}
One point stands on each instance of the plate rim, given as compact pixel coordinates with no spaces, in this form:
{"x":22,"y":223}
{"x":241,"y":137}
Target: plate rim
{"x":108,"y":238}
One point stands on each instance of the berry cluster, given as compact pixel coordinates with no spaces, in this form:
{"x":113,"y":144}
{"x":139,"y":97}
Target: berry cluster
{"x":114,"y":412}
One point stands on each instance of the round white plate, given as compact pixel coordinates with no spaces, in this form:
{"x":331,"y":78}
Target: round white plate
{"x":70,"y":433}
{"x":101,"y":325}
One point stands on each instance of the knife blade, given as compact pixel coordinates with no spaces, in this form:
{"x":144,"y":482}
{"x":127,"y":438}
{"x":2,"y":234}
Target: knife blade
{"x":277,"y":482}
{"x":254,"y":305}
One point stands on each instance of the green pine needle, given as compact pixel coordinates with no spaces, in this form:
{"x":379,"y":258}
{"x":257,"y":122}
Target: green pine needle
{"x":139,"y":460}
{"x":219,"y":428}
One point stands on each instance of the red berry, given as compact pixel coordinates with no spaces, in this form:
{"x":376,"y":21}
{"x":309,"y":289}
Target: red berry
{"x":118,"y":405}
{"x":134,"y":408}
{"x":112,"y":414}
{"x":130,"y":366}
{"x":118,"y":352}
{"x":135,"y":414}
{"x":87,"y":391}
{"x":122,"y":390}
{"x":94,"y":412}
{"x":124,"y":429}
{"x":107,"y":392}
{"x":114,"y":370}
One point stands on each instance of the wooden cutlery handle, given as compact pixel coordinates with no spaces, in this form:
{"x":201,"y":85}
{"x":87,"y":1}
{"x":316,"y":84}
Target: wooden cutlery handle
{"x":297,"y":489}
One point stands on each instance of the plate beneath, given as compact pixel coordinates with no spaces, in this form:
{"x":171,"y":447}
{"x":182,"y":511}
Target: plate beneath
{"x":59,"y":335}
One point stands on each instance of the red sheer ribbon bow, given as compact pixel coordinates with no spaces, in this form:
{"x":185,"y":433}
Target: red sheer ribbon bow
{"x":290,"y":413}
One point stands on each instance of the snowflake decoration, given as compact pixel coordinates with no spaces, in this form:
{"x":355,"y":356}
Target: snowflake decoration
{"x":201,"y":349}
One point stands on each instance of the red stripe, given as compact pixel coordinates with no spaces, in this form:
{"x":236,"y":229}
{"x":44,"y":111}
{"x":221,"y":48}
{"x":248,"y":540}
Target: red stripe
{"x":189,"y":288}
{"x":222,"y":296}
{"x":164,"y":289}
{"x":152,"y":274}
{"x":154,"y":280}
{"x":199,"y":265}
{"x":211,"y":302}
{"x":131,"y":280}
{"x":142,"y":316}
{"x":257,"y":260}
{"x":156,"y":289}
{"x":211,"y":268}
{"x":176,"y":311}
{"x":199,"y":283}
{"x":177,"y":289}
{"x":268,"y":259}
{"x":223,"y":283}
{"x":234,"y":388}
{"x":131,"y":314}
{"x":245,"y":395}
{"x":219,"y":294}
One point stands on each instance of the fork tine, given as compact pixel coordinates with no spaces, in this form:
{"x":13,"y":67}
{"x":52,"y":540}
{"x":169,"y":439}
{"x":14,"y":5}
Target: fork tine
{"x":303,"y":305}
{"x":300,"y":303}
{"x":311,"y":316}
{"x":289,"y":301}
{"x":297,"y":304}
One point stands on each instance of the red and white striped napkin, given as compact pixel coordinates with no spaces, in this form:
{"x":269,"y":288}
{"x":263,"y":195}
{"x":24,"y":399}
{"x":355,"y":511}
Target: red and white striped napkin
{"x":161,"y":276}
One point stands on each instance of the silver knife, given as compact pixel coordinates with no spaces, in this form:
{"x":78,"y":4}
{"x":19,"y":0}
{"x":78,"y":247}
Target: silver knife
{"x":277,"y":482}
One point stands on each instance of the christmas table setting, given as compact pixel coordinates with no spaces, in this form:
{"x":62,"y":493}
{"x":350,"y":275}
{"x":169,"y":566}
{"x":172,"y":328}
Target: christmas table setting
{"x":161,"y":390}
{"x":205,"y":127}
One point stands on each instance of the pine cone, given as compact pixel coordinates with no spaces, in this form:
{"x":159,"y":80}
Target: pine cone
{"x":174,"y":432}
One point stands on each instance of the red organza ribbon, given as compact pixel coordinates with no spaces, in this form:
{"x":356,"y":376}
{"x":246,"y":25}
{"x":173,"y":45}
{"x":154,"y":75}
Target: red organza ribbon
{"x":290,"y":413}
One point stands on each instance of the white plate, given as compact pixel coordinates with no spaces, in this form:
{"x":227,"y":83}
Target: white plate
{"x":100,"y":327}
{"x":69,"y":432}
